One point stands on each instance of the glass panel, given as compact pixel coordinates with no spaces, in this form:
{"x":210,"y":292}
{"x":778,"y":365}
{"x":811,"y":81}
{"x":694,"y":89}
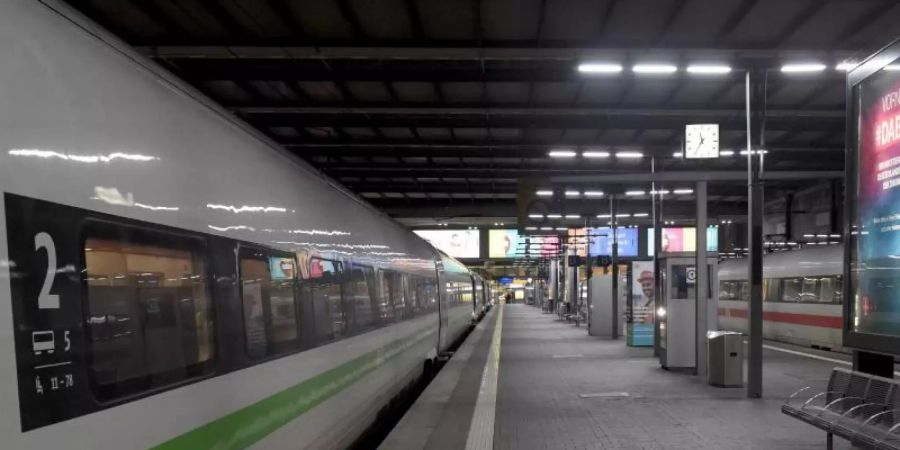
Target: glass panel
{"x":254,"y":275}
{"x":356,"y":292}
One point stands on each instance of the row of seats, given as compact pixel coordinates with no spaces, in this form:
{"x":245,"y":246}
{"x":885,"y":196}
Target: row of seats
{"x":862,"y":408}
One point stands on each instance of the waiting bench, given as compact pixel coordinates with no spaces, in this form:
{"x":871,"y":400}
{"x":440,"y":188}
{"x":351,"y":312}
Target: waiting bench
{"x":862,"y":408}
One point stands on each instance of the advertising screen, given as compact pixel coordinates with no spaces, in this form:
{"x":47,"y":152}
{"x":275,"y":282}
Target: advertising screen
{"x":682,"y":240}
{"x":602,"y":239}
{"x":510,"y":244}
{"x":281,"y":268}
{"x":455,"y":243}
{"x":876,"y":307}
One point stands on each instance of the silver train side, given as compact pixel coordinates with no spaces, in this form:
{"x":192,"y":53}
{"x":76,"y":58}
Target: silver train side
{"x":802,"y":296}
{"x":296,"y":311}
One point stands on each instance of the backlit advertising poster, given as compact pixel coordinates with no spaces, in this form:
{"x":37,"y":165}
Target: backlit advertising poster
{"x":510,"y":244}
{"x":455,"y":243}
{"x":876,"y":308}
{"x":676,"y":240}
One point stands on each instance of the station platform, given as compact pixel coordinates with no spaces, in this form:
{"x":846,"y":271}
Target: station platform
{"x":525,"y":380}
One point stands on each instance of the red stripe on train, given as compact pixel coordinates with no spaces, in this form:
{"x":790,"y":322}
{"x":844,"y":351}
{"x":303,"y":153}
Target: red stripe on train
{"x":812,"y":320}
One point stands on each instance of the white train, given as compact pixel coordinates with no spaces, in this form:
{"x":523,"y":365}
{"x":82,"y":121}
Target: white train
{"x":171,"y":279}
{"x":802,"y":296}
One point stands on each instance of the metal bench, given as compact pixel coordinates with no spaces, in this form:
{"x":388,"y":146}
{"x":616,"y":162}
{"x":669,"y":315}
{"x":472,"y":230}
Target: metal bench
{"x":862,"y":408}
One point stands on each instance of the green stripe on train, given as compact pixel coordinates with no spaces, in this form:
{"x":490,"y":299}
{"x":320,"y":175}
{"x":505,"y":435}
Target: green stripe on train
{"x":250,"y":424}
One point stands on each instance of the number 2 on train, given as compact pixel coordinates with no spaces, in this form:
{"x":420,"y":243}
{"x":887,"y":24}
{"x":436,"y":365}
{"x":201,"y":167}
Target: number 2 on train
{"x":46,"y":300}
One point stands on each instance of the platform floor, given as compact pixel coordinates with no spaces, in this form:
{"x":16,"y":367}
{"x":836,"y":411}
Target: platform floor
{"x":559,"y":388}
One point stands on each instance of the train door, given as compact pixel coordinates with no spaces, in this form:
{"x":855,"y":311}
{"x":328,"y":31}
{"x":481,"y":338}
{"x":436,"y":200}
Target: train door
{"x":443,"y":319}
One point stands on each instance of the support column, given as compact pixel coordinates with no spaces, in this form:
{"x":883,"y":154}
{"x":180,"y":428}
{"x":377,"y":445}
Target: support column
{"x":755,"y":86}
{"x":702,"y":287}
{"x":615,"y":268}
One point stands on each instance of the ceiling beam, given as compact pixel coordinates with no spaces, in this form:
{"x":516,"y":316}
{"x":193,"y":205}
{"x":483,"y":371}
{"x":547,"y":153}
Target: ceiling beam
{"x":567,"y":174}
{"x":625,"y":119}
{"x":450,"y":208}
{"x":736,"y":18}
{"x":302,"y":147}
{"x":470,"y":51}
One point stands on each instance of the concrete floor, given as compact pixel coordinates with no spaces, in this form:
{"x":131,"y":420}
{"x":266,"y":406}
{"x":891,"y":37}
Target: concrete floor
{"x":546,"y":366}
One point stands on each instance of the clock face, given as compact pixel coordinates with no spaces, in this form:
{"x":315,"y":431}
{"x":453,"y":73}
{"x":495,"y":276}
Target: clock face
{"x":701,"y":140}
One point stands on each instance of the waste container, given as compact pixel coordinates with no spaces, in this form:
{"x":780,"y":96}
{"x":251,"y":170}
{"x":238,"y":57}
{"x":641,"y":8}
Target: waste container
{"x":726,"y":358}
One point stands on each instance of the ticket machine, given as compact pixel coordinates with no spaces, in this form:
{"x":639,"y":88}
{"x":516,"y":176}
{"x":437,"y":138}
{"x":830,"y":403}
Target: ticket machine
{"x":678,"y":313}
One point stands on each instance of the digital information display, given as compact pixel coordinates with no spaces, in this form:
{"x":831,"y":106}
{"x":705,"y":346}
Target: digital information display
{"x":682,"y":240}
{"x":455,"y":243}
{"x":510,"y":244}
{"x":876,"y":222}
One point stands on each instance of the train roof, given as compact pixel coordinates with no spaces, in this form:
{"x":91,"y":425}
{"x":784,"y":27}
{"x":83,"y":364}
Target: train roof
{"x":809,"y":261}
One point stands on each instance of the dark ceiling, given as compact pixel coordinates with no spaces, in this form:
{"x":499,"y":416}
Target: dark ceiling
{"x":434,"y":109}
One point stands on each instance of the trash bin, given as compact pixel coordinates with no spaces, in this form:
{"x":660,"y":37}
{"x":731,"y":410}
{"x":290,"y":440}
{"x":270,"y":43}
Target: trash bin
{"x":725,"y":350}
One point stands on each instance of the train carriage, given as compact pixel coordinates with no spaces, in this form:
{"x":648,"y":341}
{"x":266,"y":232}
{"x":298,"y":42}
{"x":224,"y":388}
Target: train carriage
{"x":802,"y":296}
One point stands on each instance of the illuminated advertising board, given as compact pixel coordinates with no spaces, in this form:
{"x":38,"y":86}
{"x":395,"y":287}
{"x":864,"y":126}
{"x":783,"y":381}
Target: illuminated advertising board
{"x":455,"y":243}
{"x":510,"y":244}
{"x":676,"y":240}
{"x":875,"y":217}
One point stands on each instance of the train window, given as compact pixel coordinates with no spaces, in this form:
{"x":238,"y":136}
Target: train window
{"x":358,"y":297}
{"x":791,"y":289}
{"x":770,"y":294}
{"x":730,"y":290}
{"x":387,"y":308}
{"x":268,"y":297}
{"x":323,"y":277}
{"x":149,"y":314}
{"x":830,"y":289}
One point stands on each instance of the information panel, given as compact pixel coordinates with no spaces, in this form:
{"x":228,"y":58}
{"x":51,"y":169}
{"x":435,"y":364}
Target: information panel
{"x":876,"y":222}
{"x":602,"y":239}
{"x":456,"y":243}
{"x":510,"y":244}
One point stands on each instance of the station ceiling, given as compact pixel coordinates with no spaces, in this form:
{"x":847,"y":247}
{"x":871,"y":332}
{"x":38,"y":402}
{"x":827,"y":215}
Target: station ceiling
{"x":433,"y":110}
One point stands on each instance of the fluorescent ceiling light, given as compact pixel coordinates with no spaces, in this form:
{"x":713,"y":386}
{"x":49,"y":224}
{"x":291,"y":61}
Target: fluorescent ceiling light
{"x":677,"y":154}
{"x":573,"y":193}
{"x":603,"y":216}
{"x":623,"y":215}
{"x":573,"y":216}
{"x":599,"y":68}
{"x":562,"y":154}
{"x":709,"y":69}
{"x":834,"y":235}
{"x":726,"y":153}
{"x":634,"y":192}
{"x":531,"y":228}
{"x":660,"y":192}
{"x":654,"y":68}
{"x":892,"y":67}
{"x":561,"y":228}
{"x":554,"y":216}
{"x":803,"y":67}
{"x":595,"y":154}
{"x":544,"y":193}
{"x":640,"y":215}
{"x":845,"y":66}
{"x":535,"y":216}
{"x":809,"y":235}
{"x":755,"y":152}
{"x":593,"y":193}
{"x":629,"y":155}
{"x":546,"y":228}
{"x":683,"y":191}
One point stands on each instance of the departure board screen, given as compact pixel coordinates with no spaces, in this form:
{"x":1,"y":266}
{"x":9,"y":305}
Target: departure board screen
{"x":875,"y":226}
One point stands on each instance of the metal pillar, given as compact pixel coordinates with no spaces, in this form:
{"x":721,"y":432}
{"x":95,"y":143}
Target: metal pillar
{"x":702,"y":287}
{"x":656,"y":203}
{"x":588,"y":268}
{"x":615,"y":268}
{"x":755,"y":82}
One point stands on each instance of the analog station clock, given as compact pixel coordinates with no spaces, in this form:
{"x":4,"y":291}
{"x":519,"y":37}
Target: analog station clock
{"x":701,"y":140}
